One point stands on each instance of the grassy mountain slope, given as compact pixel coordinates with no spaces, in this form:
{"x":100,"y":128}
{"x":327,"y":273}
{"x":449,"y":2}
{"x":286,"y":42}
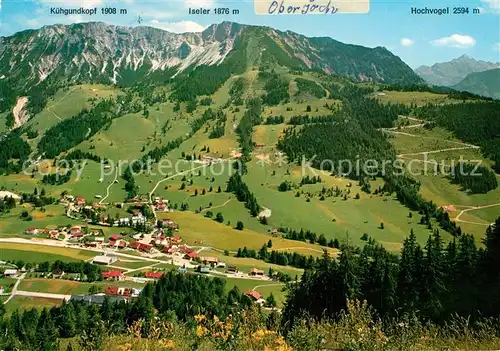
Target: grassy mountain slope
{"x":486,"y":83}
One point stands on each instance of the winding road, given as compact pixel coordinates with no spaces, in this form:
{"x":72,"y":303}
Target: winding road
{"x":109,"y":186}
{"x":473,"y":208}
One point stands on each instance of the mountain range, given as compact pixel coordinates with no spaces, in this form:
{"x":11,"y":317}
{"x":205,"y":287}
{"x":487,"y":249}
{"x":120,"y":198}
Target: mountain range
{"x":97,"y":52}
{"x":453,"y":72}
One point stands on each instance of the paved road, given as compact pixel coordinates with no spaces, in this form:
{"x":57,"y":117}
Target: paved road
{"x":14,"y":289}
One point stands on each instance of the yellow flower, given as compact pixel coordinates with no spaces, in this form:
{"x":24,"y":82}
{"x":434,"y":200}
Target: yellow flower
{"x":199,"y":317}
{"x":200,"y":330}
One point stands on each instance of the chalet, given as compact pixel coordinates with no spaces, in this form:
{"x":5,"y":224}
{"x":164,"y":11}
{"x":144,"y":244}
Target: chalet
{"x":113,"y":275}
{"x":256,"y":272}
{"x":254,"y":295}
{"x":449,"y":208}
{"x":122,"y":244}
{"x":169,"y":249}
{"x":168,"y":223}
{"x":31,"y":231}
{"x":80,"y":201}
{"x":75,"y":231}
{"x":112,"y":244}
{"x":176,"y":240}
{"x":53,"y":234}
{"x":154,"y":275}
{"x":115,"y":237}
{"x":10,"y":272}
{"x":232,"y":269}
{"x":191,"y":256}
{"x":146,"y":248}
{"x":141,"y":247}
{"x":160,"y":206}
{"x":69,"y":198}
{"x":105,"y":260}
{"x":209,"y":260}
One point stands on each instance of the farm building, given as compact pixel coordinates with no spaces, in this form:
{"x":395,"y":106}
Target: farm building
{"x":256,"y":272}
{"x":10,"y":272}
{"x":209,"y":260}
{"x":232,"y":269}
{"x":105,"y":260}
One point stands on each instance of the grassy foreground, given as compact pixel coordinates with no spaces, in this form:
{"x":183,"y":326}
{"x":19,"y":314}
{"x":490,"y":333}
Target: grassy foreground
{"x":355,"y":329}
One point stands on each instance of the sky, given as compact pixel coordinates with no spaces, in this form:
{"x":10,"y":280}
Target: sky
{"x":416,"y":39}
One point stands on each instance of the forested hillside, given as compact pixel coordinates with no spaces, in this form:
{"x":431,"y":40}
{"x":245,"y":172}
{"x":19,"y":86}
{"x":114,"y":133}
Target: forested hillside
{"x":476,"y":123}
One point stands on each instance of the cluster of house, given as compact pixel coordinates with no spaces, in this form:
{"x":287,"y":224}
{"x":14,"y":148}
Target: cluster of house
{"x":79,"y":204}
{"x":75,"y":232}
{"x":116,"y":275}
{"x":50,"y":233}
{"x":208,"y":263}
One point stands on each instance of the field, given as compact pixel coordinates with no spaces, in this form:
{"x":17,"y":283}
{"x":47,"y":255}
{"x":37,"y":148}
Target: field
{"x":23,"y":303}
{"x":41,"y":253}
{"x":413,"y":97}
{"x":334,"y":217}
{"x":200,"y":231}
{"x":131,"y":265}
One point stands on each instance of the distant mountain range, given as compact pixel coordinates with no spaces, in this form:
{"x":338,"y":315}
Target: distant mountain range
{"x":97,"y":52}
{"x":453,"y":72}
{"x":486,"y":83}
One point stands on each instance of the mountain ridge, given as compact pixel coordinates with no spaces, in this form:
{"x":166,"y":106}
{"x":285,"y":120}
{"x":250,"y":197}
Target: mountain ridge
{"x":98,"y":52}
{"x":452,"y":72}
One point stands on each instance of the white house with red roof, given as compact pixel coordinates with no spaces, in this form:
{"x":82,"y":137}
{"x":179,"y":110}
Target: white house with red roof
{"x":32,"y":231}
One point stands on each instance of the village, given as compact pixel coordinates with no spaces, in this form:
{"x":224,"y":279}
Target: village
{"x":153,"y":241}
